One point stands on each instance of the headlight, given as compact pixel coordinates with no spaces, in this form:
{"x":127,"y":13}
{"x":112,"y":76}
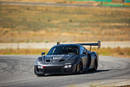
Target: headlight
{"x":39,"y":63}
{"x":39,"y":67}
{"x":67,"y":66}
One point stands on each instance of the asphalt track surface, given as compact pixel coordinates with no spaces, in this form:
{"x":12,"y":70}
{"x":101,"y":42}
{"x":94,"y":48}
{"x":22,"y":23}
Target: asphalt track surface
{"x":17,"y":71}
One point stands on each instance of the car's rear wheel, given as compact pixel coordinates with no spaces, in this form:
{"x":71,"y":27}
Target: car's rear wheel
{"x":95,"y":66}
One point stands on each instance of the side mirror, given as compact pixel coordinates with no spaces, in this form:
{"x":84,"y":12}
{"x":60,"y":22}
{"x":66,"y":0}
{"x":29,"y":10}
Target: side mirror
{"x":43,"y":53}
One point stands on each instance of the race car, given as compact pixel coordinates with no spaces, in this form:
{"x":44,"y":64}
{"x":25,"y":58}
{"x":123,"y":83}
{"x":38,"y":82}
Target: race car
{"x":67,"y":59}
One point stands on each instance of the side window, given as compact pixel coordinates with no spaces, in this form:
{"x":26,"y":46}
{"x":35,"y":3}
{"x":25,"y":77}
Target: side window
{"x":82,"y":50}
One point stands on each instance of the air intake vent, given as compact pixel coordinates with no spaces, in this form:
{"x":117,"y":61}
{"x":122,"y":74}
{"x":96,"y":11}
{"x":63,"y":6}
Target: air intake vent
{"x":47,"y":60}
{"x":61,"y":60}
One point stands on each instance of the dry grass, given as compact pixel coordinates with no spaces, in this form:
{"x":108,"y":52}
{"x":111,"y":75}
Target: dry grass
{"x":120,"y":52}
{"x":22,"y":51}
{"x":109,"y":86}
{"x":49,"y":24}
{"x":59,"y":1}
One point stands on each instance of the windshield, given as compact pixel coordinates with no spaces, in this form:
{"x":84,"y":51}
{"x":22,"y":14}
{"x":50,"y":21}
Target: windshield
{"x":59,"y":50}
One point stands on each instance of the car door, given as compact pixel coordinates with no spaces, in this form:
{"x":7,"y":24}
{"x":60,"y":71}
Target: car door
{"x":84,"y":57}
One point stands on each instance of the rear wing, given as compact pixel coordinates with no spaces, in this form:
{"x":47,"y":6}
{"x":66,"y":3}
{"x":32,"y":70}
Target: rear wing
{"x":88,"y":44}
{"x":92,"y":44}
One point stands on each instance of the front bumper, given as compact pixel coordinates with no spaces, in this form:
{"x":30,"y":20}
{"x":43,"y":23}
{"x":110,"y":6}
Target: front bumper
{"x":53,"y":69}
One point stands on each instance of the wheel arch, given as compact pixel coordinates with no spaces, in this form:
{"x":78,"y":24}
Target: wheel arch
{"x":94,"y":57}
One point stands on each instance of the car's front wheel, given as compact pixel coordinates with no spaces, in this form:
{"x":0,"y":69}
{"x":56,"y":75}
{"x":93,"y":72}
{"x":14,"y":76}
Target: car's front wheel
{"x":36,"y":72}
{"x":79,"y":68}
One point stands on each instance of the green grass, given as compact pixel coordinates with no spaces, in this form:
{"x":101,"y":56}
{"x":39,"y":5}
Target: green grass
{"x":113,"y":5}
{"x":82,"y":24}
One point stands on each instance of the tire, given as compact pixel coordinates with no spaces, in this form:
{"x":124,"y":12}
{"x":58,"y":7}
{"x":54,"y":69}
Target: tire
{"x":95,"y":66}
{"x":79,"y":68}
{"x":35,"y":72}
{"x":88,"y":62}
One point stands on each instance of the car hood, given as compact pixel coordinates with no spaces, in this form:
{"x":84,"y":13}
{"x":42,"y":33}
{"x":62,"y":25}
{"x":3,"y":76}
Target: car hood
{"x":56,"y":59}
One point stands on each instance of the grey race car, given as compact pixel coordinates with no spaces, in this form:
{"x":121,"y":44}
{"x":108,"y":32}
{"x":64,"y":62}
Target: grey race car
{"x":67,"y":59}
